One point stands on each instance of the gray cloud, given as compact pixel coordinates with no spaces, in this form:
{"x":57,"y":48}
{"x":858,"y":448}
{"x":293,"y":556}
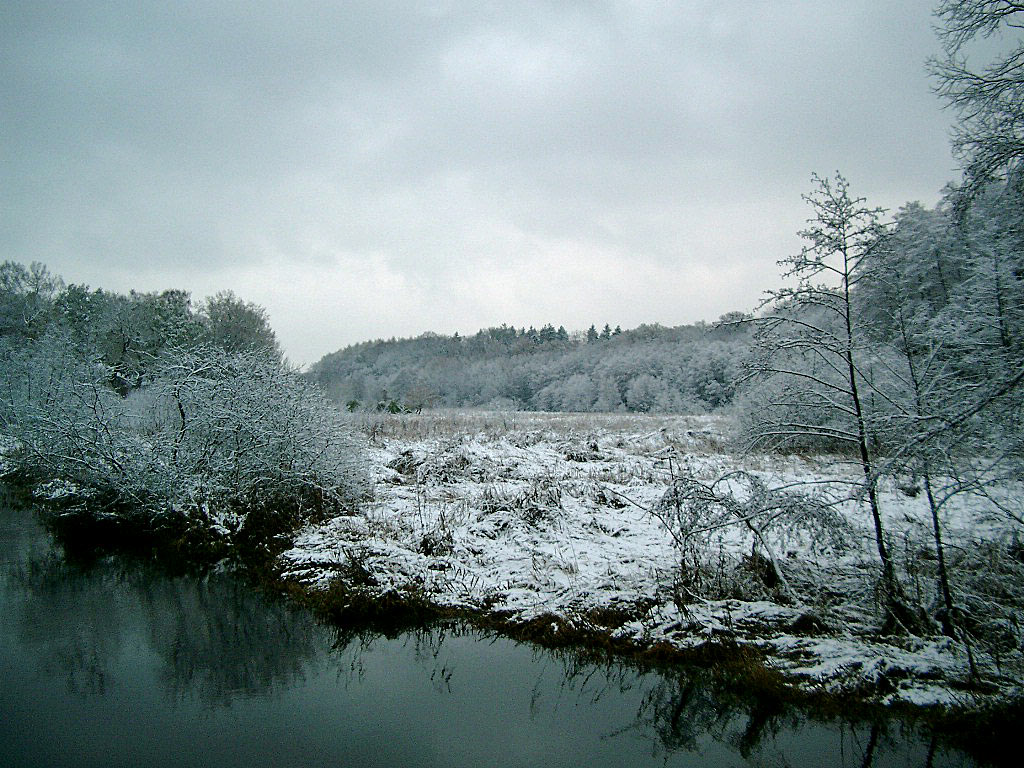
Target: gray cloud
{"x":370,"y":168}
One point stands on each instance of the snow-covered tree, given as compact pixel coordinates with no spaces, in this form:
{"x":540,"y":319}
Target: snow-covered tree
{"x":236,"y":325}
{"x":812,"y":355}
{"x":697,"y":368}
{"x":945,"y":294}
{"x":128,"y":400}
{"x":26,"y":298}
{"x":643,"y":393}
{"x":989,"y":100}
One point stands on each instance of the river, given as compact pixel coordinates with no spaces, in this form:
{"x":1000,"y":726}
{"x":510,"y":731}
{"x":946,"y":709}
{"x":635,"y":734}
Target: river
{"x":115,"y":662}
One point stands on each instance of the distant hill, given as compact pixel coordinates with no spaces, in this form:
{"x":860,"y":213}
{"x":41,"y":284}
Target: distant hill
{"x":688,"y":368}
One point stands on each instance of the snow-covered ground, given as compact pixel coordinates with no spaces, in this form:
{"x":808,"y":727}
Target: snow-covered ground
{"x":553,"y":515}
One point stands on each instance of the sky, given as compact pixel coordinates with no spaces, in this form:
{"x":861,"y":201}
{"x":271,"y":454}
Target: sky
{"x":369,"y":169}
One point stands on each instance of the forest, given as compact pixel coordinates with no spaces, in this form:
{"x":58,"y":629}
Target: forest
{"x":651,"y":368}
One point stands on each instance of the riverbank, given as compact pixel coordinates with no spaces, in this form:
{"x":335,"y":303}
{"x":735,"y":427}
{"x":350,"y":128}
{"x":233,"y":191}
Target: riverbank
{"x":548,"y":525}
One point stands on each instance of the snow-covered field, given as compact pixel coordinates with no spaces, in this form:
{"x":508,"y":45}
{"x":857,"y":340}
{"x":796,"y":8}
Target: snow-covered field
{"x":554,"y":516}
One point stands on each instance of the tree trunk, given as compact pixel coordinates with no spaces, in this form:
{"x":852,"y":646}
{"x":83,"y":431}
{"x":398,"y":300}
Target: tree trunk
{"x":947,"y":595}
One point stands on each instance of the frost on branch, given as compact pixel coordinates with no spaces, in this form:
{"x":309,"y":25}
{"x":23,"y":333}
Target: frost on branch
{"x":214,"y":435}
{"x":702,"y":516}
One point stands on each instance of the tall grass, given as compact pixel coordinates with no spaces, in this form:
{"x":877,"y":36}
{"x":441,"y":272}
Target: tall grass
{"x":450,"y":423}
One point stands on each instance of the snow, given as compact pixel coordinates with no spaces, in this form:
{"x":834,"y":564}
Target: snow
{"x":7,"y":446}
{"x":531,"y":515}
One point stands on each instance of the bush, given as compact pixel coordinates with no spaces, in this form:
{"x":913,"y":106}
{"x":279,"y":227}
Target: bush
{"x":215,"y":434}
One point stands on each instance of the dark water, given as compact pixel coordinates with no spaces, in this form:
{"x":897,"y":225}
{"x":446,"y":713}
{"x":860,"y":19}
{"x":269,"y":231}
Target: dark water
{"x":113,"y":663}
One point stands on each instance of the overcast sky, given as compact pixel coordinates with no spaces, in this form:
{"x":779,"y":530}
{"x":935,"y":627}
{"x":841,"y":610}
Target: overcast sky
{"x":372,"y":169}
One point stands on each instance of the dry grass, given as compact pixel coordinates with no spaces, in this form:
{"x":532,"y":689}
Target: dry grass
{"x":711,"y":431}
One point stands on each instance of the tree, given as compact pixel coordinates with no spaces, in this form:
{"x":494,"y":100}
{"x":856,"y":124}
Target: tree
{"x":813,"y":355}
{"x":989,"y":134}
{"x":644,"y":393}
{"x":214,"y":434}
{"x":906,"y":292}
{"x":235,"y":325}
{"x":711,"y":373}
{"x":26,"y":296}
{"x":125,"y":400}
{"x":609,"y":398}
{"x":945,"y":297}
{"x":132,"y":331}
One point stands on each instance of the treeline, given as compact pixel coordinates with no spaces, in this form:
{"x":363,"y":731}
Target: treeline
{"x":691,"y":368}
{"x":164,"y":413}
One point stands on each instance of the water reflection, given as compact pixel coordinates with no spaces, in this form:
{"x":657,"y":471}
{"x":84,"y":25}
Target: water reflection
{"x":214,"y":637}
{"x":682,"y":719}
{"x":115,"y":661}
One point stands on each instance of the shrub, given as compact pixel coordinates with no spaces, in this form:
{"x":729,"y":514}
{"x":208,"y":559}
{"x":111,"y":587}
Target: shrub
{"x":215,"y":434}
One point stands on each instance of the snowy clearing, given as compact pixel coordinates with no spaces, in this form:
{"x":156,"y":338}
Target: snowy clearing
{"x":534,"y":515}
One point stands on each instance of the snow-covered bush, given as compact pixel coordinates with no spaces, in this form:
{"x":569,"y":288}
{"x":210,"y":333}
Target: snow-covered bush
{"x":708,"y":517}
{"x":67,"y":422}
{"x":245,"y":429}
{"x":216,"y":434}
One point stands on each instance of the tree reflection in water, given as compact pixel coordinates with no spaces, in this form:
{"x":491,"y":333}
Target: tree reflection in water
{"x":679,"y":713}
{"x":216,"y":637}
{"x":686,"y":712}
{"x":219,"y":640}
{"x":74,"y":628}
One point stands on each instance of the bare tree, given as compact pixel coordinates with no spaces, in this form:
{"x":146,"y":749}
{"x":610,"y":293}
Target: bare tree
{"x":989,"y":135}
{"x":814,"y":357}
